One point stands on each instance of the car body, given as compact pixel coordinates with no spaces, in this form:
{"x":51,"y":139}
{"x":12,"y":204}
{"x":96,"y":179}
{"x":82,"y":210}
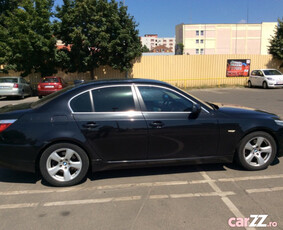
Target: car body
{"x":48,"y":85}
{"x":131,"y":123}
{"x":266,"y":78}
{"x":14,"y":86}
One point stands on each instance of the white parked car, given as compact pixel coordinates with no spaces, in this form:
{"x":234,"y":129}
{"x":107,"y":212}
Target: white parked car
{"x":266,"y":78}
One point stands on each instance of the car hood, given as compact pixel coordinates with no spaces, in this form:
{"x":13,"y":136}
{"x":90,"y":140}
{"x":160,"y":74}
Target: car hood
{"x":243,"y":112}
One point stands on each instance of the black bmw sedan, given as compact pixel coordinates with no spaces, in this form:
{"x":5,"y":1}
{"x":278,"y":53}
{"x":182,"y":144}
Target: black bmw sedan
{"x":131,"y":123}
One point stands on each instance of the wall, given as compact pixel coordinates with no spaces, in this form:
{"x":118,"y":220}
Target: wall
{"x":196,"y":70}
{"x":180,"y":70}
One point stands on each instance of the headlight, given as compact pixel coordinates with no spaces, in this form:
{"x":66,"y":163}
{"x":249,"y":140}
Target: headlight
{"x":279,"y":122}
{"x":270,"y":79}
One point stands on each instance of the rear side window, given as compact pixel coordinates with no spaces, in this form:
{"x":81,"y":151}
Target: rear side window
{"x":113,"y":99}
{"x":50,"y":80}
{"x":81,"y":103}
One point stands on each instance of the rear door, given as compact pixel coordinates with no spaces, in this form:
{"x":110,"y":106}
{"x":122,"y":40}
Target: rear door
{"x":112,"y":123}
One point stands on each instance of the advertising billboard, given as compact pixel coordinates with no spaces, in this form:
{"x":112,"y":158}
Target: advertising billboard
{"x":238,"y":68}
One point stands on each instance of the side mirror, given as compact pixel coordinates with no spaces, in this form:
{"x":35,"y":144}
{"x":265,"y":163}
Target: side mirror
{"x":195,"y":111}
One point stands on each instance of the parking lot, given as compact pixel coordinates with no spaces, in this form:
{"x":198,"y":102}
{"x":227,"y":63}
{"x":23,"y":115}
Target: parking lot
{"x":185,"y":197}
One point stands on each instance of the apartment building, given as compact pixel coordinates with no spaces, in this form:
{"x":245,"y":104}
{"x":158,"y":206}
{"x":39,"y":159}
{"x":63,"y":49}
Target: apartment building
{"x":225,"y":38}
{"x":152,"y":41}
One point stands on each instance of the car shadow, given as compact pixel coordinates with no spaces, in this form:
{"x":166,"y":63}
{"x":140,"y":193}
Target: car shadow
{"x":13,"y":176}
{"x":152,"y":171}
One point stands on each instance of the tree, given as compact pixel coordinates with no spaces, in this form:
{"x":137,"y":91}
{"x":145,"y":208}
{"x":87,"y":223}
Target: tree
{"x":29,"y":41}
{"x":145,"y":49}
{"x":180,"y":48}
{"x":276,"y":44}
{"x":100,"y":32}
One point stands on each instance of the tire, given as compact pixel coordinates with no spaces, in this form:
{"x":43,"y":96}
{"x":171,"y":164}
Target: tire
{"x":264,"y":85}
{"x":64,"y":164}
{"x":40,"y":97}
{"x":250,"y":84}
{"x":256,"y":151}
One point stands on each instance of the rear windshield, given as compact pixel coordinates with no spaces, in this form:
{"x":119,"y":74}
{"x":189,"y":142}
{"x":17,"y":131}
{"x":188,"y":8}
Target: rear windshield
{"x":272,"y":72}
{"x":8,"y":80}
{"x":49,"y":80}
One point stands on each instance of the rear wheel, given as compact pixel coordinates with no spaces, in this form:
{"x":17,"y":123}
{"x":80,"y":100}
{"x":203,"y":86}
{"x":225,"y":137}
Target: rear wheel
{"x":40,"y":97}
{"x":264,"y":85}
{"x":250,"y":84}
{"x":256,"y":151}
{"x":64,"y":164}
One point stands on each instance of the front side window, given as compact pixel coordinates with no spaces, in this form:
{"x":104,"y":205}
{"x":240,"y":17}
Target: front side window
{"x":158,"y":99}
{"x":81,"y":103}
{"x":113,"y":99}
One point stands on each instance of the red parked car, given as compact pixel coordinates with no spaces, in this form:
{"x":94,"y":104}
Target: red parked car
{"x":48,"y":85}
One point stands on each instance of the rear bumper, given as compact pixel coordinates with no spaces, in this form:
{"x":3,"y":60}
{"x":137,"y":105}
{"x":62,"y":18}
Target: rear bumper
{"x":11,"y":92}
{"x":46,"y":92}
{"x":16,"y":158}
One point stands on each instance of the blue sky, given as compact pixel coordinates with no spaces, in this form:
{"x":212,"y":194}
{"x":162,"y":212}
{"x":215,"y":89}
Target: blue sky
{"x":161,"y":16}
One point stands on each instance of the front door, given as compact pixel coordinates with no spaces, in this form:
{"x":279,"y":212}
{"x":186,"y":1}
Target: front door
{"x":172,"y":133}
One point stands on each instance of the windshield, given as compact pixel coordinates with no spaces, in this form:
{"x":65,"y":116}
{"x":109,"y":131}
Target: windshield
{"x":271,"y":72}
{"x":197,"y":99}
{"x":8,"y":80}
{"x":50,"y":97}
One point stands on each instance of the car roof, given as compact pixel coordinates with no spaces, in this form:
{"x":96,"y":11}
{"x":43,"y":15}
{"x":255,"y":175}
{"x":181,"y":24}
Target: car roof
{"x":123,"y":81}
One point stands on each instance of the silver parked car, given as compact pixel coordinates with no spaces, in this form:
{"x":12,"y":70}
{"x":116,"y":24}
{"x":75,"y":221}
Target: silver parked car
{"x":266,"y":78}
{"x":14,"y":86}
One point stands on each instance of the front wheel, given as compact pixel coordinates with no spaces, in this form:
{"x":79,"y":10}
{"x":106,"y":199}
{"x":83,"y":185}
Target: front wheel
{"x":64,"y":164}
{"x":256,"y":151}
{"x":264,"y":85}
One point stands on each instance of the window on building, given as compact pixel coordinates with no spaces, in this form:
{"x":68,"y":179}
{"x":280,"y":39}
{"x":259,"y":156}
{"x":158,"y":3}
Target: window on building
{"x":197,"y":33}
{"x":197,"y":41}
{"x":201,"y":32}
{"x":201,"y":41}
{"x":152,"y":40}
{"x":201,"y":51}
{"x":197,"y":51}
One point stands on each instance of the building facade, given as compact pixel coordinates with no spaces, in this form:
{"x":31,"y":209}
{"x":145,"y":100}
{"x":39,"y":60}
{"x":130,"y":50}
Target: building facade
{"x":225,"y":38}
{"x":152,"y":40}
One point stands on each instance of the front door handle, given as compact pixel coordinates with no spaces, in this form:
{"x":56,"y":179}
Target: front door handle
{"x":90,"y":125}
{"x":157,"y":124}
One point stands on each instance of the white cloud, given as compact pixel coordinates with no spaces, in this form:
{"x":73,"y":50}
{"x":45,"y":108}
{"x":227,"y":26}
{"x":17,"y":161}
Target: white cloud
{"x":242,"y":21}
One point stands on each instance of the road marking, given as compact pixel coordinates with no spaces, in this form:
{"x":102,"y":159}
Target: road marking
{"x":91,"y":201}
{"x":133,"y":185}
{"x":259,"y":190}
{"x":24,"y":205}
{"x":250,"y":178}
{"x":225,"y":199}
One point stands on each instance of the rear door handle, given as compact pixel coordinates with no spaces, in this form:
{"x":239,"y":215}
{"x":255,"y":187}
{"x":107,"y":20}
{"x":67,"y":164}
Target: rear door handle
{"x":157,"y":124}
{"x":90,"y":125}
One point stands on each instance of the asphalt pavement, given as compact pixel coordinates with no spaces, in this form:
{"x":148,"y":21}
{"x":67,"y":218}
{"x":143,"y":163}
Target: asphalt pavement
{"x":216,"y":196}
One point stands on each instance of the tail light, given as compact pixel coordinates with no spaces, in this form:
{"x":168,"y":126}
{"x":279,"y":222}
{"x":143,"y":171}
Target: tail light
{"x":59,"y":86}
{"x":38,"y":86}
{"x":4,"y":124}
{"x":16,"y":85}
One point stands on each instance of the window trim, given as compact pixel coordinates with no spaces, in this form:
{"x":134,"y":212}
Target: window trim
{"x":137,"y":107}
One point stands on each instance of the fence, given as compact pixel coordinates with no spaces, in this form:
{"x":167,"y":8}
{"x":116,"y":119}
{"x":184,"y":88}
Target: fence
{"x":179,"y":70}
